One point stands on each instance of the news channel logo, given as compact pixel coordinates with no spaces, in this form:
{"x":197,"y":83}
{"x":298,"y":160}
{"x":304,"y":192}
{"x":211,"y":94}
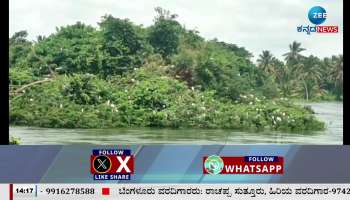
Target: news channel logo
{"x":317,"y":15}
{"x":214,"y":164}
{"x":111,"y":164}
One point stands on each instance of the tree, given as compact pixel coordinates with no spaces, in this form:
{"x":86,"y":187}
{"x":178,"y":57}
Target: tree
{"x":336,"y":74}
{"x":40,"y":38}
{"x":123,"y":47}
{"x":190,"y":40}
{"x":308,"y":71}
{"x":266,"y":61}
{"x":293,"y":55}
{"x":116,"y":32}
{"x":239,"y":51}
{"x":19,"y":47}
{"x":164,"y":35}
{"x":73,"y":48}
{"x":19,"y":37}
{"x":293,"y":63}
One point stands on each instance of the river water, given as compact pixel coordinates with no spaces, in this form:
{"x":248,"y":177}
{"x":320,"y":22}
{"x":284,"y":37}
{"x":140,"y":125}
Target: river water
{"x":331,"y":113}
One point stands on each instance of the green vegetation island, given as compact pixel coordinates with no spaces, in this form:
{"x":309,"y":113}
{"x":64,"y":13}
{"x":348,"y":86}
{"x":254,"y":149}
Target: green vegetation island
{"x":126,"y":75}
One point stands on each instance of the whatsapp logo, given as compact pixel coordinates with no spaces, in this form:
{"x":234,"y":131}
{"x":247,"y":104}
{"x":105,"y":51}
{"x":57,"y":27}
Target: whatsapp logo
{"x":214,"y":164}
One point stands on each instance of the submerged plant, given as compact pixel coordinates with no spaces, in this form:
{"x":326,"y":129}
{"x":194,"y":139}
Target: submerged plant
{"x":15,"y":140}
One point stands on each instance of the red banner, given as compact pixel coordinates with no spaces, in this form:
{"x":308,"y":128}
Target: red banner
{"x":243,"y":165}
{"x":327,"y":29}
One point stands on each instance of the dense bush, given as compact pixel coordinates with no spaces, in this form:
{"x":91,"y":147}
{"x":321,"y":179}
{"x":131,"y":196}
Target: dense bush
{"x":145,"y":98}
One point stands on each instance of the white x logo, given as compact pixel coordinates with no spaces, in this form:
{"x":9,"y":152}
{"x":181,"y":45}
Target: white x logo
{"x":123,"y":164}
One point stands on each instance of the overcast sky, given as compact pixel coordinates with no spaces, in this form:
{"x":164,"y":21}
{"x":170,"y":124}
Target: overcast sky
{"x":254,"y":24}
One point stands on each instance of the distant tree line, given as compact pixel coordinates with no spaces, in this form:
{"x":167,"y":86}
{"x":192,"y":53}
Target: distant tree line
{"x":118,"y":46}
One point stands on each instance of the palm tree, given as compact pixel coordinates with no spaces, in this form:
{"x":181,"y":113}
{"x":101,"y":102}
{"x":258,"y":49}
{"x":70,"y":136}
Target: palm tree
{"x":285,"y":78}
{"x":265,"y":62}
{"x":308,"y":71}
{"x":294,"y":54}
{"x":336,"y":73}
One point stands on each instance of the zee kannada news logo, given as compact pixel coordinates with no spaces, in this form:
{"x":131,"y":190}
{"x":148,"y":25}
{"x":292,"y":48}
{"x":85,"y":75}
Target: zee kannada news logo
{"x":317,"y":15}
{"x":111,"y":164}
{"x":243,"y":165}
